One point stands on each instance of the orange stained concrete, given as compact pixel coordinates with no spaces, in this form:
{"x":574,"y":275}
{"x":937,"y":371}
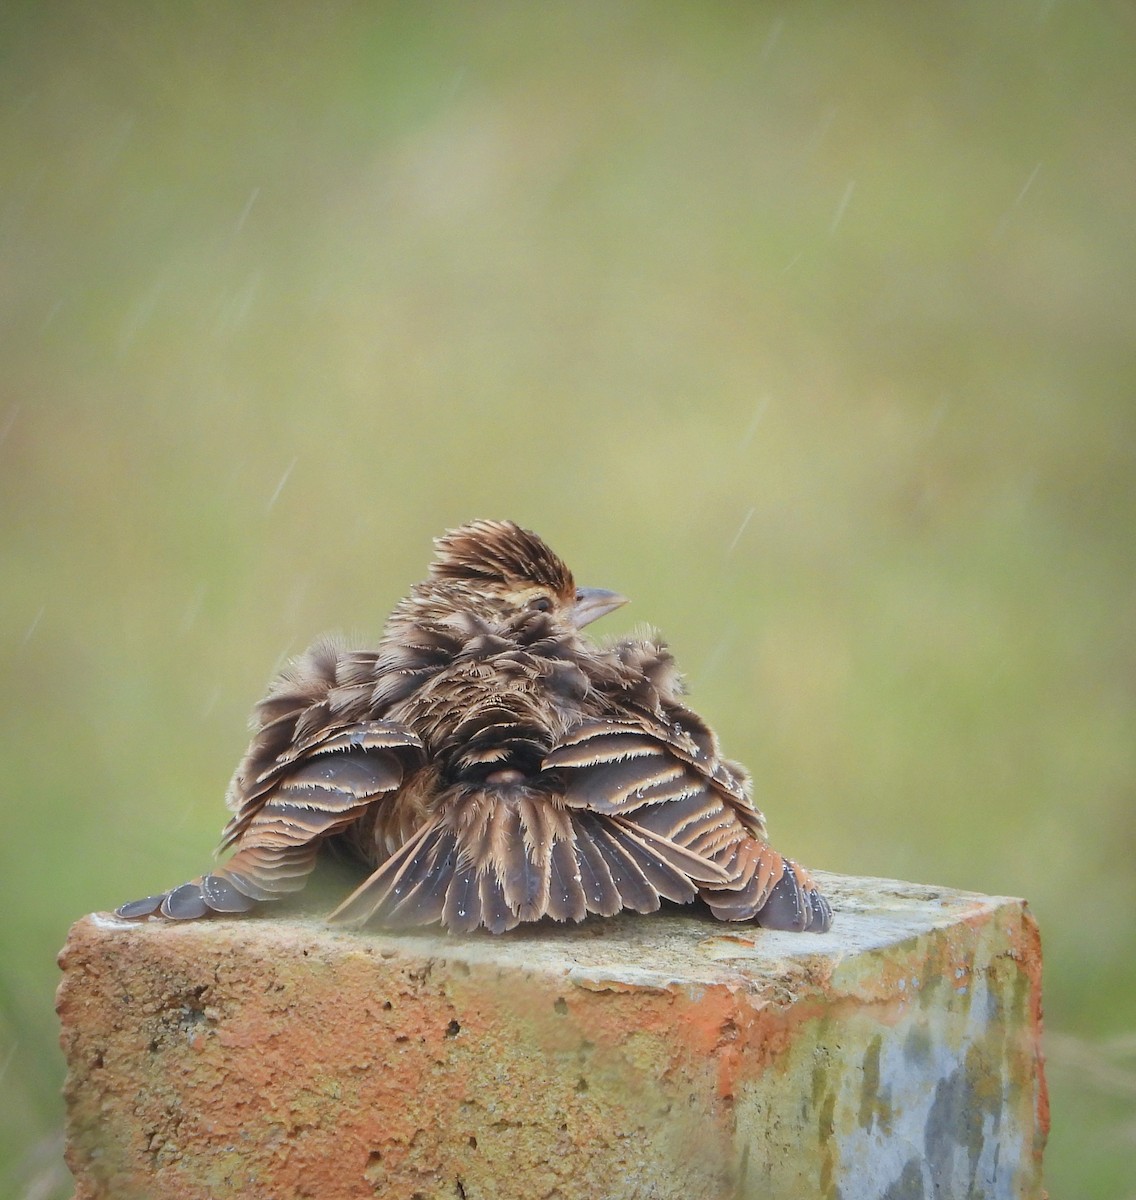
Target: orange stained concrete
{"x":643,"y":1056}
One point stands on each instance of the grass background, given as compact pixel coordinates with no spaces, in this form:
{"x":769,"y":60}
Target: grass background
{"x":810,"y":327}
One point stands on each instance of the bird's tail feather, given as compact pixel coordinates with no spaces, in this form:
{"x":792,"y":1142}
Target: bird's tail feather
{"x":521,"y":861}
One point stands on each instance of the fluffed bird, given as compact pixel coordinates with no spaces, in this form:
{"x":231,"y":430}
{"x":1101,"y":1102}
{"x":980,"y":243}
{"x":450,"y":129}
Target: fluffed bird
{"x":492,"y":766}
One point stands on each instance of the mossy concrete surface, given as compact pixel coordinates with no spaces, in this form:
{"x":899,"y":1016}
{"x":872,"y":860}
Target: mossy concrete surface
{"x":896,"y":1057}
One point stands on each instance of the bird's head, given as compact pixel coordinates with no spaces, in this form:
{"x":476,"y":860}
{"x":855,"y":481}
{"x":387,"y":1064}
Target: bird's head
{"x":496,"y":568}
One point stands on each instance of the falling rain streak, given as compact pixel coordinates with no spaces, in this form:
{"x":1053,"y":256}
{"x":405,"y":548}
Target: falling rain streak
{"x":246,"y":210}
{"x":34,"y":625}
{"x":193,"y":609}
{"x":714,"y":659}
{"x":771,"y":40}
{"x":9,"y":421}
{"x":741,"y":529}
{"x":754,"y":421}
{"x":234,"y":309}
{"x":1000,"y":228}
{"x":280,"y":486}
{"x":7,"y":1061}
{"x":840,"y":208}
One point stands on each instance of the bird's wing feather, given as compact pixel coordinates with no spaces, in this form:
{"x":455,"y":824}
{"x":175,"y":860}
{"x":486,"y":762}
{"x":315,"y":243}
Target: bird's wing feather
{"x":290,"y":811}
{"x":323,"y":785}
{"x":619,"y":765}
{"x":659,"y":803}
{"x":621,"y":748}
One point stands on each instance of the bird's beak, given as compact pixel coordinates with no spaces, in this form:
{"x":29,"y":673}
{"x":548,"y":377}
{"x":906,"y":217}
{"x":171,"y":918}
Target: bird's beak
{"x":593,"y":603}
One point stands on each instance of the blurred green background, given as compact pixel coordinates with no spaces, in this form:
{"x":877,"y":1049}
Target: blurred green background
{"x":810,"y":327}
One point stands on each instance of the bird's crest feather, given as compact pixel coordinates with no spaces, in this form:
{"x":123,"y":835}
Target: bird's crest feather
{"x":499,"y":552}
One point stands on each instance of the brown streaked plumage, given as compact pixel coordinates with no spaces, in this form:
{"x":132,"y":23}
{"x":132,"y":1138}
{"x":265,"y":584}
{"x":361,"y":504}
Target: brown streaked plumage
{"x":493,"y":766}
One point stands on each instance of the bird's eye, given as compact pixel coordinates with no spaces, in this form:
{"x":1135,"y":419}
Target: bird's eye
{"x":540,"y":604}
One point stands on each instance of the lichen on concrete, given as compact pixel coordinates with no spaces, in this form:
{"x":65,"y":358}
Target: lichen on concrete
{"x":896,"y":1056}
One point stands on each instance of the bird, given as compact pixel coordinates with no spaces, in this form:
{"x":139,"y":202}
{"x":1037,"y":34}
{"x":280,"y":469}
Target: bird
{"x":491,"y":765}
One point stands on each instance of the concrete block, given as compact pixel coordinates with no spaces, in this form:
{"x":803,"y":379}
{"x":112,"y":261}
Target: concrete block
{"x":898,"y":1056}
